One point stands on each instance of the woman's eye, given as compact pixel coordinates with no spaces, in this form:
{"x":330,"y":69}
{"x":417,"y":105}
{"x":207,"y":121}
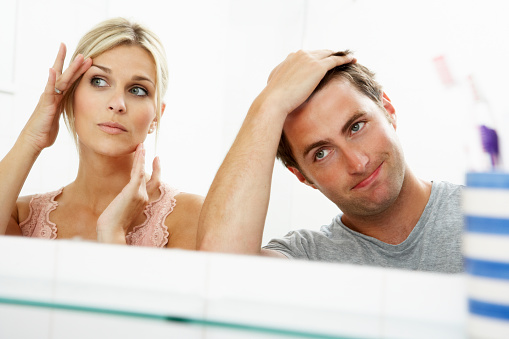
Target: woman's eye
{"x":357,"y":126}
{"x":321,"y":154}
{"x":138,"y":91}
{"x":98,"y":82}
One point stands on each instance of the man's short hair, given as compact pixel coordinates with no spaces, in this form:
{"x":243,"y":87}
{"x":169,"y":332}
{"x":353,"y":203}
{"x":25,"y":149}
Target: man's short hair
{"x":359,"y":76}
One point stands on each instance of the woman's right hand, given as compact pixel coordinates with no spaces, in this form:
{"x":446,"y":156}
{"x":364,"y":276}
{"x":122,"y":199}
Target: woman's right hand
{"x":42,"y":128}
{"x":120,"y":215}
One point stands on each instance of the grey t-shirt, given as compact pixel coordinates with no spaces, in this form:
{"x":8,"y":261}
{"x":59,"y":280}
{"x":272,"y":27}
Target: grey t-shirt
{"x":433,"y":245}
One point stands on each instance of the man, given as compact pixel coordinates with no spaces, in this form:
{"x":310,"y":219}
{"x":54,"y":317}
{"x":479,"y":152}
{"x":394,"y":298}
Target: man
{"x":336,"y":131}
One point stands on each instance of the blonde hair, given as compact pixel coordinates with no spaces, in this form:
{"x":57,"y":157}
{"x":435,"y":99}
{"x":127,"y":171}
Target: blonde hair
{"x":107,"y":35}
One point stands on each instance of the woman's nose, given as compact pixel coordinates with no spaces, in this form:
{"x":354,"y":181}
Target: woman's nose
{"x":117,"y":103}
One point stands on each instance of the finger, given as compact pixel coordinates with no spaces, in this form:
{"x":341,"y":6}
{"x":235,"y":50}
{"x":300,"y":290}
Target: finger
{"x":58,"y":65}
{"x":83,"y":68}
{"x":321,"y":53}
{"x":138,"y":172}
{"x":316,"y":55}
{"x":338,"y":60}
{"x":325,"y":53}
{"x":50,"y":85}
{"x":346,"y":53}
{"x":136,"y":159}
{"x":156,"y":172}
{"x":64,"y":81}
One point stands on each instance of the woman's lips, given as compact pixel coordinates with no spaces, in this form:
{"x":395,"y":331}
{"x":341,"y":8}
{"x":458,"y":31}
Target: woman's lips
{"x":369,"y":179}
{"x":112,"y":128}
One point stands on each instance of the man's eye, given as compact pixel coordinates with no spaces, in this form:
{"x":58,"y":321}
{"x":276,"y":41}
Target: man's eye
{"x":98,"y":82}
{"x":357,"y":126}
{"x":321,"y":154}
{"x":138,"y":91}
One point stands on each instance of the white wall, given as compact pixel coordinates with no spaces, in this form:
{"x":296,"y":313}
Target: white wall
{"x":220,"y":53}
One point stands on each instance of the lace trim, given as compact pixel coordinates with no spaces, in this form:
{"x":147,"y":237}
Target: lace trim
{"x":153,"y":231}
{"x":37,"y":224}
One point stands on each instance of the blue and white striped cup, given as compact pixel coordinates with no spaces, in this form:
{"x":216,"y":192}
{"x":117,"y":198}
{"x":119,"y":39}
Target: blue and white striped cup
{"x":486,"y":253}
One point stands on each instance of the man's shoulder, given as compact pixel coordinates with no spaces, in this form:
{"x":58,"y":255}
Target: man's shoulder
{"x":446,"y":185}
{"x":444,"y":208}
{"x":326,"y":231}
{"x":446,"y":191}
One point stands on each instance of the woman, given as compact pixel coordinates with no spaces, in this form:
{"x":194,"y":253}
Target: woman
{"x":111,"y":94}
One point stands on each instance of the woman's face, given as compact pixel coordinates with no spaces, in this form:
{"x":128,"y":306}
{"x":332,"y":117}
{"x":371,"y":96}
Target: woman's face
{"x":115,"y":101}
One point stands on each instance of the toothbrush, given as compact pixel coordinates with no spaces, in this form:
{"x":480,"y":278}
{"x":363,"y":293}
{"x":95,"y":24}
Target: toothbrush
{"x":489,"y":140}
{"x":489,"y":136}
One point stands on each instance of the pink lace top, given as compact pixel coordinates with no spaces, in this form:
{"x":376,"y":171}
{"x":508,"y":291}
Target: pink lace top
{"x":153,"y":232}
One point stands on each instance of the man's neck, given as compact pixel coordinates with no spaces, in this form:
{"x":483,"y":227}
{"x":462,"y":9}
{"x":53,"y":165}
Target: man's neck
{"x":394,"y":225}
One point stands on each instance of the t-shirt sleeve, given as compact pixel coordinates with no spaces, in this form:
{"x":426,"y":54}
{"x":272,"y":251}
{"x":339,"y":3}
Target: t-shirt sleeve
{"x":294,"y":245}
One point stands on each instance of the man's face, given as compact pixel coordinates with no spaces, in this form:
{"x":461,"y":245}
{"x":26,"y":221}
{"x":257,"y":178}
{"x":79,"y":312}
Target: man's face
{"x":346,"y":147}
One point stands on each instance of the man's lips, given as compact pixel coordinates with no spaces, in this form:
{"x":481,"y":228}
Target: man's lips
{"x":112,"y":127}
{"x":369,"y":179}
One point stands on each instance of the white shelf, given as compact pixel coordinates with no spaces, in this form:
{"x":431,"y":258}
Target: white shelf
{"x":97,"y":284}
{"x":7,"y":88}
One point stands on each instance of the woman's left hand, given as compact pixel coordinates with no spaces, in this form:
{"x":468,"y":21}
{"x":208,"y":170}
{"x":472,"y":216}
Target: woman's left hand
{"x":129,"y":204}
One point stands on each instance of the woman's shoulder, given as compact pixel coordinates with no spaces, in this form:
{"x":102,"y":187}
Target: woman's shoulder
{"x":184,"y":202}
{"x":24,"y":203}
{"x":187,"y":206}
{"x":189,"y":200}
{"x":20,"y":214}
{"x":182,"y":223}
{"x":22,"y":209}
{"x":25,"y":200}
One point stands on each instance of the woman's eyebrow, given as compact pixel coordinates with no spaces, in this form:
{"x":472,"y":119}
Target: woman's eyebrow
{"x":103,"y":68}
{"x":142,"y":78}
{"x":135,"y":77}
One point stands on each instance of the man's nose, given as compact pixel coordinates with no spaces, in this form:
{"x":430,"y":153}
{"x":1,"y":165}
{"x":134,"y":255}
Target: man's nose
{"x":356,"y":160}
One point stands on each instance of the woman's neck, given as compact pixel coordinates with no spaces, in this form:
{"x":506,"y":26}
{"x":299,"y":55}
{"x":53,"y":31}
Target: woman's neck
{"x":100,"y":178}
